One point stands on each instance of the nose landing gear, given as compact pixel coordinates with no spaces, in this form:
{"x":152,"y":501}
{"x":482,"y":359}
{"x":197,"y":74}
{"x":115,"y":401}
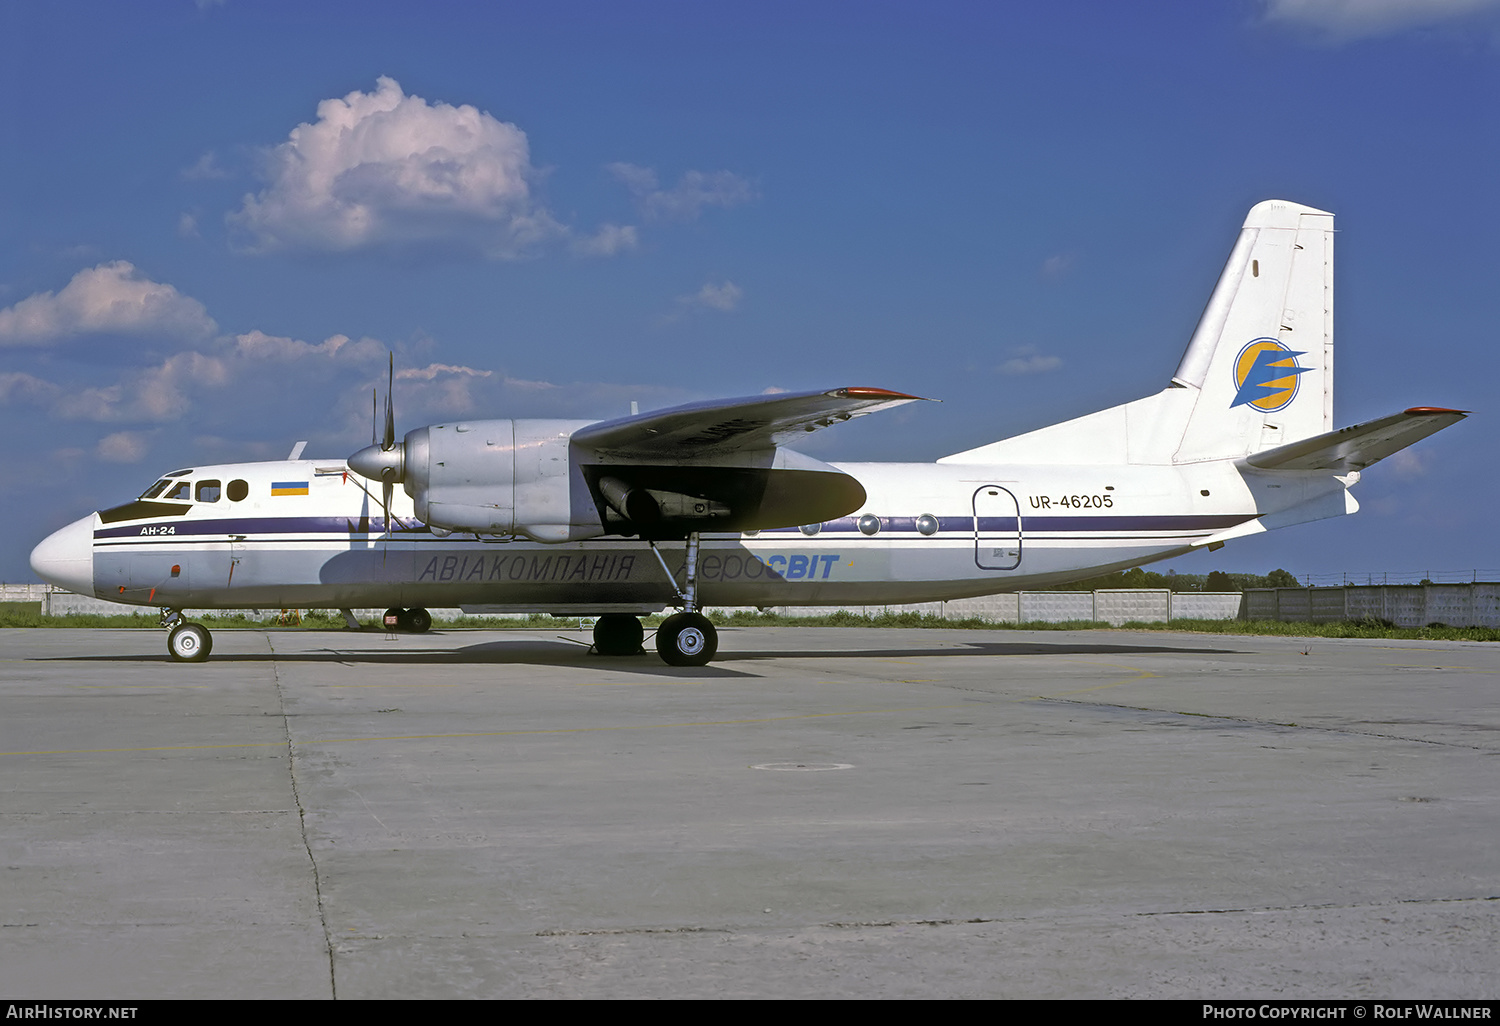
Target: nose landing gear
{"x":186,"y":642}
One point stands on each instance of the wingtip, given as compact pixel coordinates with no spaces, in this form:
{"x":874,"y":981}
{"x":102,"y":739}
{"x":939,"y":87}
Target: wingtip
{"x":1433,"y":411}
{"x":860,"y":392}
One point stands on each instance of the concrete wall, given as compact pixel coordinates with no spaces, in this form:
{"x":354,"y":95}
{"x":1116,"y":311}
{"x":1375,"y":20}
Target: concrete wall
{"x":1405,"y":605}
{"x":24,"y":592}
{"x":1113,"y":606}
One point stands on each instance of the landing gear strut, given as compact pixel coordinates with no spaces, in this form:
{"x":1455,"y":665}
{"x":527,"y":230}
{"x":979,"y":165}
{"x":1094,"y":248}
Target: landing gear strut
{"x":686,"y":638}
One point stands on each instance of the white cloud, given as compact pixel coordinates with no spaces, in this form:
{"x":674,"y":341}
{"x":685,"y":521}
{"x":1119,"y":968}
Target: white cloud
{"x":1359,"y":19}
{"x":19,"y":386}
{"x":123,"y":447}
{"x":257,"y":345}
{"x":432,"y":370}
{"x":607,"y":241}
{"x":1026,"y":360}
{"x":694,"y":191}
{"x":1057,"y":266}
{"x":111,"y":298}
{"x":383,"y":168}
{"x":152,"y":394}
{"x":205,"y":169}
{"x":724,"y":297}
{"x":187,"y":225}
{"x":1408,"y":463}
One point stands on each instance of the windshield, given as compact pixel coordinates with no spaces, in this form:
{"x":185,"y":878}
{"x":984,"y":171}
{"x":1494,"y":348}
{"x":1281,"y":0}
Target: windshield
{"x":155,"y":490}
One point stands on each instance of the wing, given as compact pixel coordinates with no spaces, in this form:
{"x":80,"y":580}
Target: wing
{"x":1356,"y":447}
{"x":723,"y":465}
{"x":701,"y":432}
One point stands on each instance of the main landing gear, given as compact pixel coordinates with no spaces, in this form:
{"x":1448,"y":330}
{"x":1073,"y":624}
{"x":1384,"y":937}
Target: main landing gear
{"x":417,"y":621}
{"x":618,"y":634}
{"x":686,"y":638}
{"x":186,"y":642}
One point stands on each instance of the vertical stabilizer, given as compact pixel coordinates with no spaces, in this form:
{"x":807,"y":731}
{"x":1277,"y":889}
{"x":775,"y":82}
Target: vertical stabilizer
{"x":1261,"y":359}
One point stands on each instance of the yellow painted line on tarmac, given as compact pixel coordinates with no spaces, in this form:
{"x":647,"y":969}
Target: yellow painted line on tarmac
{"x":486,"y":733}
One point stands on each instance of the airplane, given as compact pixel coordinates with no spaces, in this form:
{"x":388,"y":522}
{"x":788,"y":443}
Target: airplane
{"x":709,"y":504}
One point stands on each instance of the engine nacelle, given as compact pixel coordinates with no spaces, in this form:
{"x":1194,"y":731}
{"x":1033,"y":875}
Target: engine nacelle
{"x":500,"y":477}
{"x":529,"y":477}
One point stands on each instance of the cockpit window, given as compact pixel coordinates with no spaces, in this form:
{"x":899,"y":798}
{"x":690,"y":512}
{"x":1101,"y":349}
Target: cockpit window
{"x":155,"y":490}
{"x":181,"y":490}
{"x":208,"y":491}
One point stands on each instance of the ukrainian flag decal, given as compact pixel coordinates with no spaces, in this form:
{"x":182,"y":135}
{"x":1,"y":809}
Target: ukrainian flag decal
{"x":288,"y":487}
{"x":1265,"y":373}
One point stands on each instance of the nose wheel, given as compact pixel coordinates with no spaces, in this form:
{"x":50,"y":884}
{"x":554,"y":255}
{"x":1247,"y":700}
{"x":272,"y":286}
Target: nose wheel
{"x":190,"y":643}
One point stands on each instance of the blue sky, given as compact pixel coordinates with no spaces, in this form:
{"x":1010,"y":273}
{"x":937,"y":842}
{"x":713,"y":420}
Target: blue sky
{"x":217,"y":218}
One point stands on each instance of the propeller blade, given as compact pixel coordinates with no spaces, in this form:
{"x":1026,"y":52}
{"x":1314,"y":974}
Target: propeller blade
{"x":390,"y":412}
{"x":387,"y":486}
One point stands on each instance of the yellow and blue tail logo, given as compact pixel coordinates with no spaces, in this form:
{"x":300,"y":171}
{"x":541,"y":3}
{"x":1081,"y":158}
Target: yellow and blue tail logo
{"x":1265,"y":374}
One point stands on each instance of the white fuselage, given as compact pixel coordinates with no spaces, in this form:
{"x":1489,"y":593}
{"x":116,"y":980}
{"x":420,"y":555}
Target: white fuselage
{"x":939,"y":531}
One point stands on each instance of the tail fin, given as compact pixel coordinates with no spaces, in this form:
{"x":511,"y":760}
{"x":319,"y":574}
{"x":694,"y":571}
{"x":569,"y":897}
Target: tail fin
{"x":1257,"y":374}
{"x":1261,"y":359}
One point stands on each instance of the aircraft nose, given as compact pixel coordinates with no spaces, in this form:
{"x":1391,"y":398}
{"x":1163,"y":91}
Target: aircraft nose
{"x":66,"y":557}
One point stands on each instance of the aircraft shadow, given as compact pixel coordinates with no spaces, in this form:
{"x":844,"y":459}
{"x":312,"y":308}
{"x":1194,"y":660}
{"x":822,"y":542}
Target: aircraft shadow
{"x":533,"y":652}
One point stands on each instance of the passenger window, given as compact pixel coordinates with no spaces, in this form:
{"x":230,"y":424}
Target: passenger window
{"x":182,"y":490}
{"x":208,"y":491}
{"x":237,"y":490}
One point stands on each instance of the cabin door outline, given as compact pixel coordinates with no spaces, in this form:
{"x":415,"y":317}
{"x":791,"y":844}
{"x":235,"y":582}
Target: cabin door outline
{"x":997,"y":528}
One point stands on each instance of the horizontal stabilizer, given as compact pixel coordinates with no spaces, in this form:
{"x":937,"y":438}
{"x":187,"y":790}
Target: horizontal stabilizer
{"x":714,"y":429}
{"x":1354,"y":448}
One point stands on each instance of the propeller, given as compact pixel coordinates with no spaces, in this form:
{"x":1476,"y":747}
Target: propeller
{"x":384,"y":459}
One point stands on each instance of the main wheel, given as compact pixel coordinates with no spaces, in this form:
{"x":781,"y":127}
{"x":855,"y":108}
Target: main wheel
{"x":618,"y":634}
{"x":418,"y":621}
{"x":190,"y":643}
{"x":687,"y":639}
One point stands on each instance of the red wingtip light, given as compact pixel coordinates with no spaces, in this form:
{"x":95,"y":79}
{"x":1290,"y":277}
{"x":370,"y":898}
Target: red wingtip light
{"x":872,"y":393}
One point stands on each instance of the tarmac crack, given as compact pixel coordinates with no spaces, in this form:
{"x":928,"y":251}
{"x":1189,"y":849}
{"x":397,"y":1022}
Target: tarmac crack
{"x":895,"y":924}
{"x":1249,"y":721}
{"x":291,"y":757}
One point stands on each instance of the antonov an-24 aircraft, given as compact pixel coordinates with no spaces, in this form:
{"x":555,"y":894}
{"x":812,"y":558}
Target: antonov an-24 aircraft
{"x":710,"y":504}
